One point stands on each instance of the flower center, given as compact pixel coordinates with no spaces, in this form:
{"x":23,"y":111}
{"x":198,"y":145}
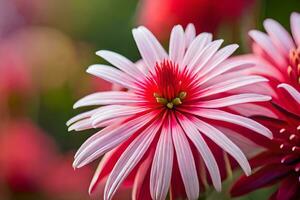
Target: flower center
{"x":170,"y":104}
{"x":168,"y":85}
{"x":294,"y":67}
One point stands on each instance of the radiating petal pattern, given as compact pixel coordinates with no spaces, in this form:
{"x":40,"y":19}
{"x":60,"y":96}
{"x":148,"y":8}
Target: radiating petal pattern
{"x":156,"y":127}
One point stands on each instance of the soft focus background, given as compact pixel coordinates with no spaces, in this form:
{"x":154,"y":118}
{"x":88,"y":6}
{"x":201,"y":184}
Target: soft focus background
{"x":45,"y":47}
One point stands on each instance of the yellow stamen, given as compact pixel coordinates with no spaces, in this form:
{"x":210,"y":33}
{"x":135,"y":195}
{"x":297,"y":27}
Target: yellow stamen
{"x":176,"y":101}
{"x":161,"y":100}
{"x":170,"y":105}
{"x":182,"y":95}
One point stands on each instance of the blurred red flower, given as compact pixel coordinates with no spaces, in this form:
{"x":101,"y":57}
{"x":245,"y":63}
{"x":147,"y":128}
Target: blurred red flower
{"x":161,"y":15}
{"x":64,"y":183}
{"x":25,"y":155}
{"x":14,"y":72}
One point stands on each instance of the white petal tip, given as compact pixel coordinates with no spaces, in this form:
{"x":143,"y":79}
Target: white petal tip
{"x":100,"y":52}
{"x":281,"y":85}
{"x":90,"y":69}
{"x":218,"y":188}
{"x":253,"y":33}
{"x":295,"y":14}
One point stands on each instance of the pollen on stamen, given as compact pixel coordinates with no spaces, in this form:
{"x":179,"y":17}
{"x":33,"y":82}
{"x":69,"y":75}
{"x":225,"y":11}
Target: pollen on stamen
{"x":168,"y":84}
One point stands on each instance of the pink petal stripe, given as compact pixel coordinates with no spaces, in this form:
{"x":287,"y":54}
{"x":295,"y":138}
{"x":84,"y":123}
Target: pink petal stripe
{"x":130,"y":158}
{"x":218,"y":58}
{"x":199,"y":142}
{"x":81,"y":125}
{"x":115,"y":111}
{"x":112,"y":75}
{"x":226,"y":66}
{"x":222,"y":140}
{"x":235,"y":119}
{"x":177,"y":45}
{"x":232,"y":100}
{"x":252,"y":109}
{"x":160,"y":51}
{"x":141,"y":188}
{"x":146,"y":50}
{"x":108,"y":138}
{"x":202,"y":58}
{"x":248,"y":147}
{"x":87,"y":123}
{"x":109,"y":97}
{"x":122,"y":63}
{"x":185,"y":160}
{"x":291,"y":90}
{"x":190,"y":34}
{"x":196,"y":48}
{"x":280,"y":37}
{"x":229,"y":85}
{"x":161,"y":170}
{"x":295,"y":21}
{"x":81,"y":116}
{"x":266,"y":44}
{"x":150,"y":49}
{"x":99,"y":169}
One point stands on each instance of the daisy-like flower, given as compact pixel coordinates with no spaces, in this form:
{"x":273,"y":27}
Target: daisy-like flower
{"x":277,"y":56}
{"x":157,"y":132}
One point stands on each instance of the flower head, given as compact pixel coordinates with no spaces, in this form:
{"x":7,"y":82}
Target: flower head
{"x":157,"y":132}
{"x":183,"y":12}
{"x":277,"y":56}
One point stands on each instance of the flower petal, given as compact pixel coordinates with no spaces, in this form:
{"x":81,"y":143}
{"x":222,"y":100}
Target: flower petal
{"x":280,"y":37}
{"x":130,"y":158}
{"x":150,"y":49}
{"x":112,"y":75}
{"x":295,"y":21}
{"x":108,"y":138}
{"x":196,"y":47}
{"x":162,"y":165}
{"x":235,"y":119}
{"x":224,"y":142}
{"x":177,"y":45}
{"x":106,"y":98}
{"x":266,"y":44}
{"x":226,"y":66}
{"x":141,"y":188}
{"x":122,"y":63}
{"x":114,"y":111}
{"x":202,"y":58}
{"x":291,"y":90}
{"x":229,"y":85}
{"x":218,"y":58}
{"x":261,"y":178}
{"x":190,"y":34}
{"x":186,"y":161}
{"x":232,"y":100}
{"x":199,"y":142}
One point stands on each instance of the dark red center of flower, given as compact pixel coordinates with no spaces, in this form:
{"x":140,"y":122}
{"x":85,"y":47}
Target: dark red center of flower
{"x":168,"y":85}
{"x":294,"y":67}
{"x":290,"y":145}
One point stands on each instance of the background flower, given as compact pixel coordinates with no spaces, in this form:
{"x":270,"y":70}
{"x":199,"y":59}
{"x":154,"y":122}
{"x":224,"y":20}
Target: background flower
{"x":206,"y":15}
{"x":276,"y":56}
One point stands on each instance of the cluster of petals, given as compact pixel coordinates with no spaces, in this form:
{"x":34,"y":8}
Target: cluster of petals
{"x":277,"y":56}
{"x":158,"y":131}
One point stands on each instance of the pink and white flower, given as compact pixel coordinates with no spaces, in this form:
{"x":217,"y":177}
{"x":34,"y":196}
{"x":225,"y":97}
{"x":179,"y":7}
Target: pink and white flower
{"x":277,"y":57}
{"x":157,"y":132}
